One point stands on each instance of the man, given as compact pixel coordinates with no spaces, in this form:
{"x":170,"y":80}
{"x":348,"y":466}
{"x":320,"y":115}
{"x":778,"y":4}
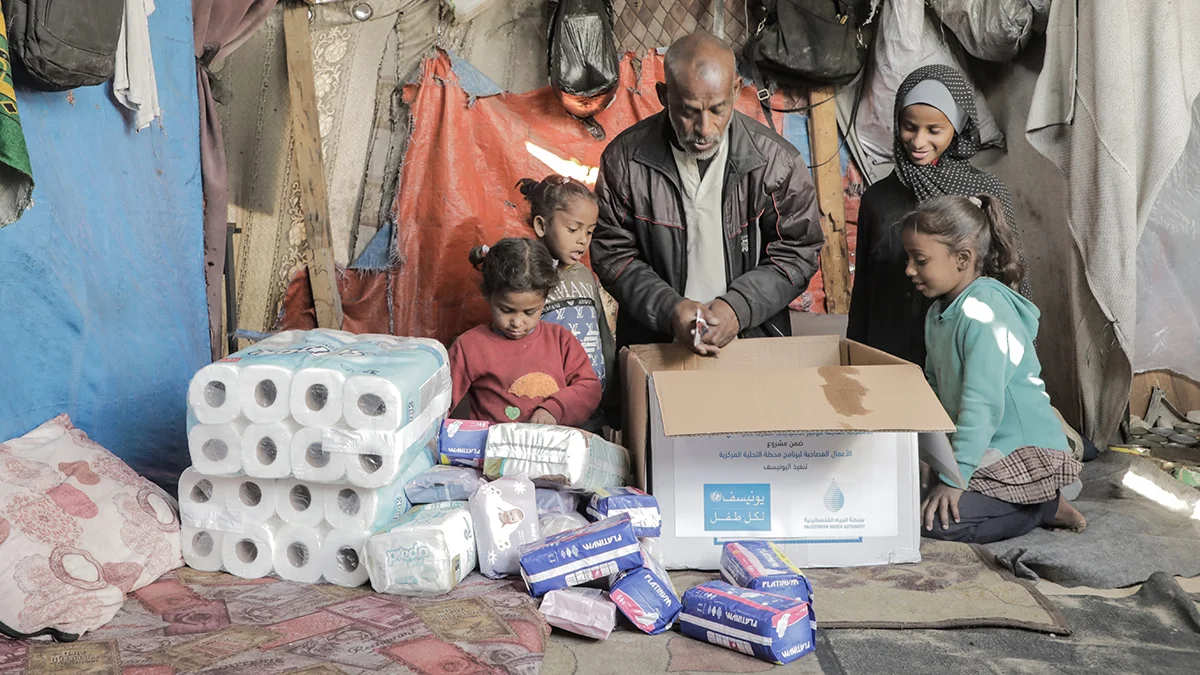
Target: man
{"x":703,"y":209}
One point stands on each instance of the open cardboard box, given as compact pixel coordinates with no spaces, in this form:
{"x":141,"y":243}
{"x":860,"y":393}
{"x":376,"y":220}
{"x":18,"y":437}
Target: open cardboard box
{"x":809,"y":442}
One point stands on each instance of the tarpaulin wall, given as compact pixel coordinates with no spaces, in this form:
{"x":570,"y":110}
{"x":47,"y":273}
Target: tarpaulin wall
{"x":469,"y":145}
{"x":102,"y":281}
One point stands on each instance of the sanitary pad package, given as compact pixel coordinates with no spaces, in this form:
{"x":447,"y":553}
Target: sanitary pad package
{"x":764,"y":625}
{"x":443,"y":484}
{"x":761,"y":566}
{"x":641,"y":507}
{"x":560,"y":522}
{"x":555,"y":456}
{"x":462,"y":442}
{"x":426,"y":551}
{"x":583,"y":611}
{"x":576,"y":557}
{"x":505,"y":516}
{"x":646,"y":597}
{"x":551,"y":501}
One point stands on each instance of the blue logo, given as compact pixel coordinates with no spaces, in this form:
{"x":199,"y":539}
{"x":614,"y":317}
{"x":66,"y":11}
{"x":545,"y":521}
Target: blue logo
{"x":737,"y":507}
{"x":835,"y":499}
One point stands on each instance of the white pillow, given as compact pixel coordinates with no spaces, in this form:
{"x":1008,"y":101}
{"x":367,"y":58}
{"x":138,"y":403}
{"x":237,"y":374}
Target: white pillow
{"x":78,"y":530}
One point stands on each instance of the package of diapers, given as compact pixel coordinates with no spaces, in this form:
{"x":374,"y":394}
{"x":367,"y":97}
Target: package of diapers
{"x":770,"y":627}
{"x":641,"y":507}
{"x":577,"y":557}
{"x":761,"y":566}
{"x":555,"y":456}
{"x":505,"y":516}
{"x":427,"y":551}
{"x":558,"y":523}
{"x":444,"y":484}
{"x":646,"y":596}
{"x":462,"y":442}
{"x":551,"y":501}
{"x":583,"y":611}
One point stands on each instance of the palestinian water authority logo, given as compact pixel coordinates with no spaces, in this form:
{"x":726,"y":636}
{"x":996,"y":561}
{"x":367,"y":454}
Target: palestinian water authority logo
{"x":834,"y":498}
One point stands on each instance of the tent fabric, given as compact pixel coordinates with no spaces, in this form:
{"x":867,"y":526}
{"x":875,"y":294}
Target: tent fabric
{"x":102,"y":289}
{"x":471,"y":151}
{"x":219,"y":27}
{"x":1116,"y":153}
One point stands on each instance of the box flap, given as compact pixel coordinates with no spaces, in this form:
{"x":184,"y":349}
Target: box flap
{"x":828,"y":398}
{"x":762,"y":354}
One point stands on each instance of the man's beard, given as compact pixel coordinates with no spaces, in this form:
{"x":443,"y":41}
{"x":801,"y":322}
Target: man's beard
{"x":686,"y":142}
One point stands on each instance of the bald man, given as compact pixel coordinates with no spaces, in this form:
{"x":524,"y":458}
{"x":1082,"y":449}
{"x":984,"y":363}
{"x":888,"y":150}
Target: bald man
{"x":703,"y":211}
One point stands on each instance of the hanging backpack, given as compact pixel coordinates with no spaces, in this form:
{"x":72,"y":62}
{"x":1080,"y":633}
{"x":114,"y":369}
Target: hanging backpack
{"x":800,"y":43}
{"x":584,"y":63}
{"x":63,"y":44}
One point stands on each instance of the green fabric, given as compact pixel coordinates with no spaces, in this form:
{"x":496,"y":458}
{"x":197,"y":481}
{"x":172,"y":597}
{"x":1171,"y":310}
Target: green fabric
{"x":981,"y":363}
{"x":16,"y":175}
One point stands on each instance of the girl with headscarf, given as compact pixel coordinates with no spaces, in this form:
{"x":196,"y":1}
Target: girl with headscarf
{"x":935,"y":133}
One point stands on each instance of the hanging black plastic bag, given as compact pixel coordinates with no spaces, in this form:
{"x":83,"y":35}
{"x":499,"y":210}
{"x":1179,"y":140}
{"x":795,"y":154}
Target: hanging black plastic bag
{"x":583,"y":56}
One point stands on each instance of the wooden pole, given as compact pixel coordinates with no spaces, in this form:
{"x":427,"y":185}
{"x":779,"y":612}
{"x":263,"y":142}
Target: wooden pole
{"x":827,"y":175}
{"x":306,"y":133}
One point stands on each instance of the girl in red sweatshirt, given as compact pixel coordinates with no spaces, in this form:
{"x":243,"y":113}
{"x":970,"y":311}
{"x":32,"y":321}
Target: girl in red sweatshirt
{"x":519,"y":368}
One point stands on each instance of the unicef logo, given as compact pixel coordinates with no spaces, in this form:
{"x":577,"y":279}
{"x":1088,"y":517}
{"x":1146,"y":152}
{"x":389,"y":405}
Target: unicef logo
{"x":714,"y":496}
{"x":834,"y":498}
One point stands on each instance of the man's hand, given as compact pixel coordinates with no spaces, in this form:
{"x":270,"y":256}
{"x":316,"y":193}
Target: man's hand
{"x":941,"y":502}
{"x":542,"y":416}
{"x":722,"y":323}
{"x":683,"y":325}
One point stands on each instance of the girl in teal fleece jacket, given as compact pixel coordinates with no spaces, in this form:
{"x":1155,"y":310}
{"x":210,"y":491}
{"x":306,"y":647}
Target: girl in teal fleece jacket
{"x":1010,"y":446}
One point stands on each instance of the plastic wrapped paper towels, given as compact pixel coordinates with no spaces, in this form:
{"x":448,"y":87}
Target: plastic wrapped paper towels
{"x":321,"y":406}
{"x":555,"y":456}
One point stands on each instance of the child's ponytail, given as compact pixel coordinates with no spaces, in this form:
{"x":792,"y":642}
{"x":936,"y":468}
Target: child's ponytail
{"x":515,"y":266}
{"x":477,"y":256}
{"x":1002,"y":262}
{"x":552,"y":193}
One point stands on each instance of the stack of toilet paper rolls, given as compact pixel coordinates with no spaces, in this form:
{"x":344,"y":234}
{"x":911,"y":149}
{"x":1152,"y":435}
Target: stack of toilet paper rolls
{"x":301,"y":446}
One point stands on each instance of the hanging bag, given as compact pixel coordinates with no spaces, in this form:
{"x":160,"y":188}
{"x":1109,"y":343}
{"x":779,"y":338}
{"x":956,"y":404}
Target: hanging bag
{"x":804,"y":42}
{"x":64,"y":44}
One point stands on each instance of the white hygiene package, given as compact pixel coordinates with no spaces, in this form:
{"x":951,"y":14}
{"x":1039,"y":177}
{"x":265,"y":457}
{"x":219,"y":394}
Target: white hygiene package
{"x":555,"y":456}
{"x":427,"y":551}
{"x":561,"y":522}
{"x":583,"y":611}
{"x":504,"y":513}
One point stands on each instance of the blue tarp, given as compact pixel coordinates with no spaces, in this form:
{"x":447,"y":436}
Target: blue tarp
{"x":102,"y":305}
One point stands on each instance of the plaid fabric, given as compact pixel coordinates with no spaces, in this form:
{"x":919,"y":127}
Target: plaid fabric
{"x":1029,"y":475}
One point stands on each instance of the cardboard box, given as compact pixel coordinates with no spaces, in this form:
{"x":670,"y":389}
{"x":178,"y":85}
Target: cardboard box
{"x":809,"y":442}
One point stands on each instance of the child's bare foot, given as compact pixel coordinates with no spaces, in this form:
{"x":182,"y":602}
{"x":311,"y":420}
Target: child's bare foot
{"x":1067,"y":517}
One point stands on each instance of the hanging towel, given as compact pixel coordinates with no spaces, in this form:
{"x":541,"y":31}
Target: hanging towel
{"x":133,"y":82}
{"x":16,"y":176}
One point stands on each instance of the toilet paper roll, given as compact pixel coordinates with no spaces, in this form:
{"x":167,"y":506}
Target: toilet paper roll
{"x":213,"y":395}
{"x":267,"y":449}
{"x":202,"y":548}
{"x":298,"y":503}
{"x":250,"y":553}
{"x":251,"y":498}
{"x":202,"y":502}
{"x":349,"y":507}
{"x":265,"y":390}
{"x":216,"y":449}
{"x":311,"y":462}
{"x":374,"y":403}
{"x":316,"y":399}
{"x":342,"y":561}
{"x":298,"y":553}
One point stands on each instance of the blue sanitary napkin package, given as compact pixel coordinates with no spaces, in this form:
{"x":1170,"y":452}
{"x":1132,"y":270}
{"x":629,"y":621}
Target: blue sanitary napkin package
{"x":761,"y":566}
{"x":641,"y":507}
{"x":770,"y":627}
{"x":646,"y":596}
{"x":444,"y":484}
{"x":462,"y":442}
{"x":578,"y":556}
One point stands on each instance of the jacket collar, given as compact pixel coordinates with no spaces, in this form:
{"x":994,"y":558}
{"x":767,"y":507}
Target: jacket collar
{"x":744,"y":156}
